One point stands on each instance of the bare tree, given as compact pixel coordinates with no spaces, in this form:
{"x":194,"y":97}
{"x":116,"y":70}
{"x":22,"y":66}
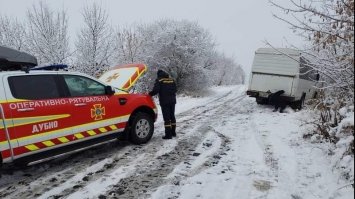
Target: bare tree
{"x":95,"y":45}
{"x":47,"y":34}
{"x":12,"y":33}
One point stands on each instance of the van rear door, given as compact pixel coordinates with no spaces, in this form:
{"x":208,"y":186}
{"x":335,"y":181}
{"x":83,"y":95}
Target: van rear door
{"x":272,"y":82}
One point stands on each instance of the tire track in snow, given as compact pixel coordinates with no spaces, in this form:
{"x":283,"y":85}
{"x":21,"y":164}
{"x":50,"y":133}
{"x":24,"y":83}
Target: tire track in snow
{"x":154,"y":150}
{"x":150,"y":178}
{"x":51,"y":174}
{"x":218,"y":118}
{"x":33,"y":180}
{"x":207,"y":155}
{"x":265,"y":179}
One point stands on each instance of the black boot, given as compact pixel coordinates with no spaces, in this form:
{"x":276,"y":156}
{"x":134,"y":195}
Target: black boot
{"x":173,"y":129}
{"x":167,"y":132}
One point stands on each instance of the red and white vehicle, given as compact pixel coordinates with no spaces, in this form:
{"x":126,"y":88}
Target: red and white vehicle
{"x":47,"y":113}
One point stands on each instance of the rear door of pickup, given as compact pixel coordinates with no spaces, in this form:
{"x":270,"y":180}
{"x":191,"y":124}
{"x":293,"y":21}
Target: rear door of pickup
{"x":40,"y":118}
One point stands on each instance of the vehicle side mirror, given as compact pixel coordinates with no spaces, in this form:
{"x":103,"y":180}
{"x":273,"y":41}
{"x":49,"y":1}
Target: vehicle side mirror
{"x":109,"y":90}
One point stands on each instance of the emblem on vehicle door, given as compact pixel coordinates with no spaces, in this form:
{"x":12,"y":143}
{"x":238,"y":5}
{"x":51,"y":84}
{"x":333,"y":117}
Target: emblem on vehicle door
{"x":98,"y":112}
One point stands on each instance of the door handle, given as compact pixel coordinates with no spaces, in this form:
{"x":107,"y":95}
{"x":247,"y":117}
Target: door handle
{"x":81,"y":104}
{"x":25,"y":109}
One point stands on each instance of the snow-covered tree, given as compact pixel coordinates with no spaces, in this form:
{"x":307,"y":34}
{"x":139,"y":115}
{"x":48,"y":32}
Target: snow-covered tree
{"x":223,"y":70}
{"x":47,"y":34}
{"x":179,"y":47}
{"x":12,"y":33}
{"x":182,"y":48}
{"x":94,"y":46}
{"x":129,"y":45}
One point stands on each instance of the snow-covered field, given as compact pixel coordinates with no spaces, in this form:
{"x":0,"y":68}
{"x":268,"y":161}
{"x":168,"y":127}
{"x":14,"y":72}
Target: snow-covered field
{"x":227,"y":147}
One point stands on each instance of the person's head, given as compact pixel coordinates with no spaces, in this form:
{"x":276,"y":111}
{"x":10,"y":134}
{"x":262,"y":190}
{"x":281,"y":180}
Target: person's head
{"x":162,"y":74}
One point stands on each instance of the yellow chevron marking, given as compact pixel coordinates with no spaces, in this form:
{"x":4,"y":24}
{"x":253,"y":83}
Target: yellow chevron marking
{"x":79,"y":135}
{"x":113,"y":127}
{"x":139,"y":75}
{"x":48,"y":143}
{"x":63,"y":139}
{"x":102,"y":130}
{"x":91,"y":132}
{"x":32,"y":147}
{"x":133,"y":81}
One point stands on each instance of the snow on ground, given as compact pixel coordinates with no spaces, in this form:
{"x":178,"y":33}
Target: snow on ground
{"x":268,"y":159}
{"x":227,"y":147}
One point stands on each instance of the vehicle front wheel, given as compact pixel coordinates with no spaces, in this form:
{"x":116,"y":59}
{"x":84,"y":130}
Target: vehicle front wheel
{"x":141,"y":128}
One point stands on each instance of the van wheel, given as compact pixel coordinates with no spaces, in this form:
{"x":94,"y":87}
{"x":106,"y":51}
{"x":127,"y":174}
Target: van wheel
{"x":141,"y":128}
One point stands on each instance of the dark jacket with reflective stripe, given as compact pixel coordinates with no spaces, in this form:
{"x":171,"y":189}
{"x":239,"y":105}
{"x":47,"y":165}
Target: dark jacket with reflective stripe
{"x":165,"y":87}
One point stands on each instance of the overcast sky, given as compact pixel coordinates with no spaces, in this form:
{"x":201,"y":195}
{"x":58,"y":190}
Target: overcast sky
{"x":239,"y":26}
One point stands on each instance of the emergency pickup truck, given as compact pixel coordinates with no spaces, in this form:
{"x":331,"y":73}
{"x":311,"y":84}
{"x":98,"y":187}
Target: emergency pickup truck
{"x":47,"y":113}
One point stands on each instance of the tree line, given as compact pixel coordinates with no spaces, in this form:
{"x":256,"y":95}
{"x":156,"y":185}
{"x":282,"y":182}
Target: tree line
{"x":181,"y":47}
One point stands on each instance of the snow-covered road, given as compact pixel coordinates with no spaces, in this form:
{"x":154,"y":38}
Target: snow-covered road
{"x":227,"y":147}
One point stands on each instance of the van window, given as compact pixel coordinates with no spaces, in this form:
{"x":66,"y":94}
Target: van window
{"x":34,"y":87}
{"x":81,"y":86}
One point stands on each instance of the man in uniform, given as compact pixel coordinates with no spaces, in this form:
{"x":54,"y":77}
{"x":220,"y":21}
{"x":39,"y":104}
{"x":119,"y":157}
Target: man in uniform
{"x":165,"y":87}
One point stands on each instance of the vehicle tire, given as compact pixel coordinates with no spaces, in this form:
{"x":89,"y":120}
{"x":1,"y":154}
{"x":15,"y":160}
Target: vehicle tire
{"x":141,"y":128}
